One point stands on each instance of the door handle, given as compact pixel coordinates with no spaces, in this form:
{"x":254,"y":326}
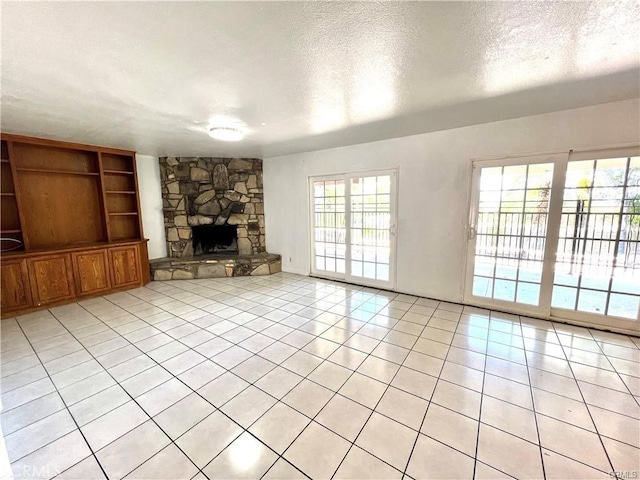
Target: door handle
{"x":472,"y":233}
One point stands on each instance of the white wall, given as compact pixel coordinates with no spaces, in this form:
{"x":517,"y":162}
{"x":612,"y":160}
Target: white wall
{"x":434,"y":171}
{"x":151,"y":204}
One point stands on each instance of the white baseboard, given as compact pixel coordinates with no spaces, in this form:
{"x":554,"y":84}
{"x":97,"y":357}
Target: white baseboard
{"x":297,"y":271}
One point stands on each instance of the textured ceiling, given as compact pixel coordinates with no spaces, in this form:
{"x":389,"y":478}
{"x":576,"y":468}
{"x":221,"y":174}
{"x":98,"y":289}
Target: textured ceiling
{"x":153,"y":76}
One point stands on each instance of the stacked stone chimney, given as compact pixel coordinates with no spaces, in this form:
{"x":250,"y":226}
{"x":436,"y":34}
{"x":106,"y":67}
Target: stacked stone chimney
{"x":212,"y":191}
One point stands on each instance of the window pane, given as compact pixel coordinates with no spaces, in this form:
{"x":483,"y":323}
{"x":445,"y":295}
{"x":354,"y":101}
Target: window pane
{"x":504,"y":290}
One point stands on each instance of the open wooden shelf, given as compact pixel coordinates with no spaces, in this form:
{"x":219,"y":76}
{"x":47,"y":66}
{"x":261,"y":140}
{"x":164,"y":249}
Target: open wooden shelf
{"x":63,"y":172}
{"x":60,"y":193}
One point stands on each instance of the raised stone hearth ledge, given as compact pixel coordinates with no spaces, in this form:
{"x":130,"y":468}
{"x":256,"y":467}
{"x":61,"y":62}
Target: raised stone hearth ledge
{"x":215,"y":266}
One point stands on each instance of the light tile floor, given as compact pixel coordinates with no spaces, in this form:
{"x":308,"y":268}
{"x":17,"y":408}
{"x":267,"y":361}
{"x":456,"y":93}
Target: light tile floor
{"x":286,"y":376}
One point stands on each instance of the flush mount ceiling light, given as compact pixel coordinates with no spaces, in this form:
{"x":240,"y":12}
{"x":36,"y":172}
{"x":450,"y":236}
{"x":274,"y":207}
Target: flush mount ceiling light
{"x":226,"y":134}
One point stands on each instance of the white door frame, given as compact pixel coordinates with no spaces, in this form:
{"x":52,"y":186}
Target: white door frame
{"x":391,"y":284}
{"x":544,"y":309}
{"x":553,"y":224}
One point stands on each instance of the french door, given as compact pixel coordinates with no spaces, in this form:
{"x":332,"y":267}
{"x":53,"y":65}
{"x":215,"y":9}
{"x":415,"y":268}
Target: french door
{"x":558,"y":236}
{"x":353,"y":226}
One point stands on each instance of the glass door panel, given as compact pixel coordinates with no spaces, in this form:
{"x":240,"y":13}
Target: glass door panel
{"x":597,"y":268}
{"x":329,"y":226}
{"x":510,"y":232}
{"x":370,"y":235}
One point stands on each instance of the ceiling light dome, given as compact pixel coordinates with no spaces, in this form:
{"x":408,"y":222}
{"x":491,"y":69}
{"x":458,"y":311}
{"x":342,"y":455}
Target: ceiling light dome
{"x":226,"y":134}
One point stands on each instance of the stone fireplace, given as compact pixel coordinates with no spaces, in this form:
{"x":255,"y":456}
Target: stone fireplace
{"x":212,"y":191}
{"x":214,"y":218}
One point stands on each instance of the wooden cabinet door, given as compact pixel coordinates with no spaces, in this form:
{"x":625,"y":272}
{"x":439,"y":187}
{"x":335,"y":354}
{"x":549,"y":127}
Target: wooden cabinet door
{"x":51,"y":279}
{"x":125,"y":267}
{"x":91,"y":271}
{"x":15,"y":291}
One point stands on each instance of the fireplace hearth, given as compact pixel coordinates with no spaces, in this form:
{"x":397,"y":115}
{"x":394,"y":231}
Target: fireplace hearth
{"x":221,"y":239}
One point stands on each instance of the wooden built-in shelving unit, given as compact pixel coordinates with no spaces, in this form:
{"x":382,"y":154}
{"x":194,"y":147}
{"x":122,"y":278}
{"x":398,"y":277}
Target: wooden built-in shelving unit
{"x":56,"y":198}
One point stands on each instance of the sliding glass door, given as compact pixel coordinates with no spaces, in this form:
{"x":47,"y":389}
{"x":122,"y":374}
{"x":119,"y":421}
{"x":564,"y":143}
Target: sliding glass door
{"x":597,"y":268}
{"x":558,"y":236}
{"x":508,"y":241}
{"x":353,"y":223}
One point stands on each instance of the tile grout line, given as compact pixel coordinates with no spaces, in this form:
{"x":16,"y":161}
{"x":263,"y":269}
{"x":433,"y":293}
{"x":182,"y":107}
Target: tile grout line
{"x":205,"y":399}
{"x":380,"y":341}
{"x":220,"y":352}
{"x":279,"y":456}
{"x":373,"y":410}
{"x":537,"y":414}
{"x":484,"y":376}
{"x":171,"y":441}
{"x":230,"y":371}
{"x":75,"y":423}
{"x":303,"y":378}
{"x":438,"y":379}
{"x":419,"y":429}
{"x":277,"y":340}
{"x":588,"y":411}
{"x":533,"y":406}
{"x":335,"y":393}
{"x":204,"y":360}
{"x":616,"y":371}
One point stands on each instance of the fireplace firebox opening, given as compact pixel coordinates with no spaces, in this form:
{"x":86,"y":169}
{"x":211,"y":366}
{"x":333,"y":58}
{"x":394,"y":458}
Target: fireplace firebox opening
{"x":209,"y":239}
